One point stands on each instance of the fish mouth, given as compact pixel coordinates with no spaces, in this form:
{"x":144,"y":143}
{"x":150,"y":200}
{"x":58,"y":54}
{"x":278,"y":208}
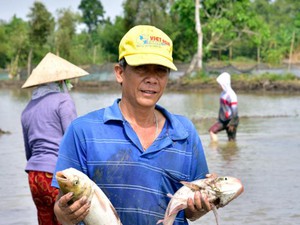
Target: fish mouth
{"x":61,"y":177}
{"x":238,"y":192}
{"x":241,"y":190}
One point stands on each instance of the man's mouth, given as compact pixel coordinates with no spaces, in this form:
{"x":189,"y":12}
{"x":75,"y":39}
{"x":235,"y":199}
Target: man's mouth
{"x":149,"y":91}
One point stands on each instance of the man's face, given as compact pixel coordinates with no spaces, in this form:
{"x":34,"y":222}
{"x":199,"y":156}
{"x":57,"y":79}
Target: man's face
{"x":143,"y":85}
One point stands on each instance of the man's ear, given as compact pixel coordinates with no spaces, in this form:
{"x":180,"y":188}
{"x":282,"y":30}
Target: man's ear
{"x":119,"y":73}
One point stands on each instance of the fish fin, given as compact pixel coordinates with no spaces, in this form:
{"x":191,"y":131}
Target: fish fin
{"x":190,"y":185}
{"x":215,"y":211}
{"x":100,"y":200}
{"x":170,"y":195}
{"x":115,"y":213}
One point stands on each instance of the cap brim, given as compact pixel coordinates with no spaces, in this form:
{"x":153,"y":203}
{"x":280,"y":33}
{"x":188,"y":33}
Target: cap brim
{"x":144,"y":59}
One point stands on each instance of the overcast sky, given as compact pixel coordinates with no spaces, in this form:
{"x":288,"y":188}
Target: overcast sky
{"x":21,"y":8}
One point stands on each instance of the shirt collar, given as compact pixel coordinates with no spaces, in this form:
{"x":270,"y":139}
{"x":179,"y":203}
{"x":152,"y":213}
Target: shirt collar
{"x":45,"y":89}
{"x":113,"y":112}
{"x":176,"y":130}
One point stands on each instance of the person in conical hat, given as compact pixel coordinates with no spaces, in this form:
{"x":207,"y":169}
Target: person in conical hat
{"x":228,"y":118}
{"x":44,"y":121}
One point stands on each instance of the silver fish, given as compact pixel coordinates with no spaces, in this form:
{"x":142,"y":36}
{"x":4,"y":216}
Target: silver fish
{"x":219,"y":191}
{"x":101,"y":211}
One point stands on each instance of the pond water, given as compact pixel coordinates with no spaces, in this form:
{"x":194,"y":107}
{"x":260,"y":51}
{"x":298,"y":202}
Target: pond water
{"x":265,"y":156}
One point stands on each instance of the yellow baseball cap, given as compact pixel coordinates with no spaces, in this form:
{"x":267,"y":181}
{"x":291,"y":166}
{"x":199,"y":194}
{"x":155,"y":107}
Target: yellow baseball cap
{"x":145,"y":44}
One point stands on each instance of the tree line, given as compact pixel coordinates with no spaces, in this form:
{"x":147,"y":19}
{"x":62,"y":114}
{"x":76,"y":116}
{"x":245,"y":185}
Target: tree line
{"x":265,"y":31}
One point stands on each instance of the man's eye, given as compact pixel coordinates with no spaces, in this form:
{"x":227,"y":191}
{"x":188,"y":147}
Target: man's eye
{"x":162,"y":70}
{"x":140,"y":69}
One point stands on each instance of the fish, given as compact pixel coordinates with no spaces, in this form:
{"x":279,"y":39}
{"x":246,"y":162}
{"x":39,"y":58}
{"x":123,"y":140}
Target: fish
{"x":219,"y":191}
{"x":101,"y":212}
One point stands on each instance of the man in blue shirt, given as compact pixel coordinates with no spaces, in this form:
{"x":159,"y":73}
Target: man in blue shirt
{"x":135,"y":151}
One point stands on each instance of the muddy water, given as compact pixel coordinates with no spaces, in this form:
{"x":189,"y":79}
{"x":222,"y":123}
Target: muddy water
{"x":265,"y":156}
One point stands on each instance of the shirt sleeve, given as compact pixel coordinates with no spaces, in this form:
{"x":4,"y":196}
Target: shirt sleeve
{"x":71,"y":153}
{"x":199,"y":167}
{"x":67,"y":112}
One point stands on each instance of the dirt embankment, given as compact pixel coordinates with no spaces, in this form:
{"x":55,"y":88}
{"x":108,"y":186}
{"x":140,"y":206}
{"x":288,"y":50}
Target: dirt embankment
{"x":241,"y":86}
{"x":178,"y":85}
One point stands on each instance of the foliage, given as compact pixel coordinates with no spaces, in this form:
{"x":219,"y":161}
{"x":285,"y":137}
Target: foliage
{"x":183,"y":35}
{"x":259,"y":30}
{"x":265,"y":77}
{"x":202,"y":76}
{"x":92,"y":13}
{"x":65,"y":32}
{"x":4,"y":47}
{"x":281,"y":18}
{"x":41,"y":27}
{"x":17,"y":30}
{"x":79,"y":53}
{"x":155,"y":13}
{"x":227,"y":24}
{"x":278,"y":77}
{"x":109,"y":37}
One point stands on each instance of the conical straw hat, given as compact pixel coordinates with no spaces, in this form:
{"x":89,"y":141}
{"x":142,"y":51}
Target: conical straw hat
{"x":53,"y":68}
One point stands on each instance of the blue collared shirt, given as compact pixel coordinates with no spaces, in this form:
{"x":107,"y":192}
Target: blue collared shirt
{"x":103,"y":145}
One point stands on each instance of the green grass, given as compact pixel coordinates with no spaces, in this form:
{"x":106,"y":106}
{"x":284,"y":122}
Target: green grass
{"x":265,"y":76}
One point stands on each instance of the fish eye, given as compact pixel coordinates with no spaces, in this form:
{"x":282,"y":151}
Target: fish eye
{"x":76,"y":182}
{"x":222,"y":178}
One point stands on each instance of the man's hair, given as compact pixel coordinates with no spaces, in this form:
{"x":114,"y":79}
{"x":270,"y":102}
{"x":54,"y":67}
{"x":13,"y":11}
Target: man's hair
{"x":123,"y":63}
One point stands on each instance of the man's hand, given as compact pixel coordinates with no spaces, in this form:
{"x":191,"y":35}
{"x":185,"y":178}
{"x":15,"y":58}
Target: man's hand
{"x":200,"y":206}
{"x":197,"y":208}
{"x":71,"y":214}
